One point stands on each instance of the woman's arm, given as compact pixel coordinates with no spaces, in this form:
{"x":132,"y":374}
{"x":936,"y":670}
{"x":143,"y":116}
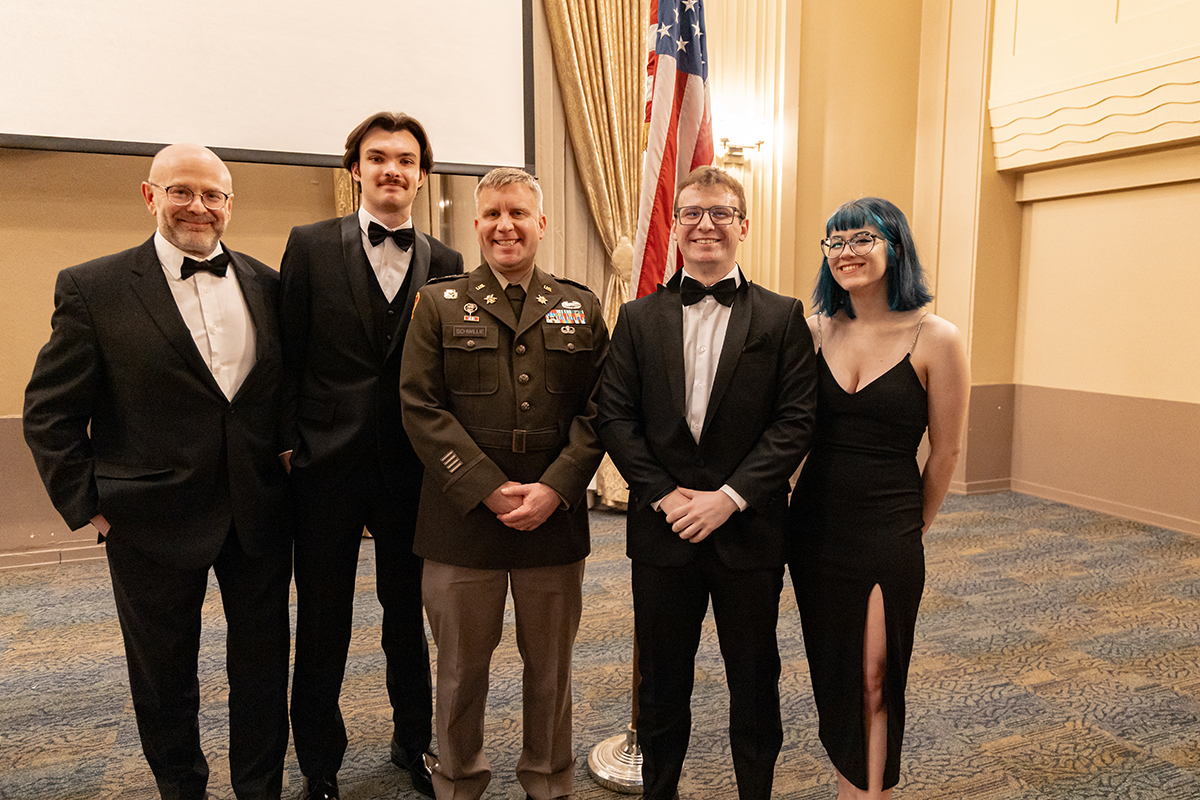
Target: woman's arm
{"x":948,"y":387}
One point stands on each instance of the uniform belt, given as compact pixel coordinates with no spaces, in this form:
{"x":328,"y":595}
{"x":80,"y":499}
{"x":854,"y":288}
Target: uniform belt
{"x":519,"y":441}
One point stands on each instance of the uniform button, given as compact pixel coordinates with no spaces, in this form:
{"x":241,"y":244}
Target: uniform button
{"x":391,"y":312}
{"x":520,"y":349}
{"x":523,"y":378}
{"x":570,"y":345}
{"x":389,"y":337}
{"x":525,"y":406}
{"x":470,"y":342}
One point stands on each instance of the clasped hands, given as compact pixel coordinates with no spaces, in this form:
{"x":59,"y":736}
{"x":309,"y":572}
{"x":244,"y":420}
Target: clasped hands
{"x":523,"y":506}
{"x":694,"y":514}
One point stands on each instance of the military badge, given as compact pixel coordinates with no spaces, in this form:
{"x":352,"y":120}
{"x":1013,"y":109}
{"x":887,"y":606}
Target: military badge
{"x":491,"y":298}
{"x":567,"y":329}
{"x":572,"y":304}
{"x":541,"y":299}
{"x":450,"y":294}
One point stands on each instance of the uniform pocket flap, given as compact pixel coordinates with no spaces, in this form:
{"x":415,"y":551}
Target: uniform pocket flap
{"x":568,"y":338}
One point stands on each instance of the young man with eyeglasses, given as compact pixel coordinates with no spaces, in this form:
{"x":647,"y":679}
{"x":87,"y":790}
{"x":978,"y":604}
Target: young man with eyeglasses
{"x":153,"y":414}
{"x":706,"y":406}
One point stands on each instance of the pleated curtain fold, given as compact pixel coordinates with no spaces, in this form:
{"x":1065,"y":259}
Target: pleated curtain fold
{"x":599,"y":55}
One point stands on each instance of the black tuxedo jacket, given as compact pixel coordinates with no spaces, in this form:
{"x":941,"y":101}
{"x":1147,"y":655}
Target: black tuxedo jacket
{"x":125,"y":419}
{"x":756,"y":431}
{"x":341,"y":406}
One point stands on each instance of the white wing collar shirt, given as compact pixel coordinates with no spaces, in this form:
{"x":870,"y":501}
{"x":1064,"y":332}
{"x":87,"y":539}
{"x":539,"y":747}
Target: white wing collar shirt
{"x":215,"y":312}
{"x":389,"y":263}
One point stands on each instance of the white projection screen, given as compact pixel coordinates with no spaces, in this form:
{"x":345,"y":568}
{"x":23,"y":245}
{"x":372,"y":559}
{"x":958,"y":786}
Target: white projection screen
{"x":267,"y":80}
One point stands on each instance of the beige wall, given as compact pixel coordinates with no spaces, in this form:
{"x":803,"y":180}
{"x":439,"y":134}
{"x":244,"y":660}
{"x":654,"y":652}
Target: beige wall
{"x":1110,"y":294}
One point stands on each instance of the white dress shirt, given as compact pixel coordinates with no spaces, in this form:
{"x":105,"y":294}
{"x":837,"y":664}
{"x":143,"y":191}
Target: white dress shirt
{"x":388,"y":261}
{"x":704,"y":327}
{"x":215,"y":312}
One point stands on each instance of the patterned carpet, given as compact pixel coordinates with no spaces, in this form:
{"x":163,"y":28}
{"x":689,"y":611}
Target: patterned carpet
{"x":1058,"y":656}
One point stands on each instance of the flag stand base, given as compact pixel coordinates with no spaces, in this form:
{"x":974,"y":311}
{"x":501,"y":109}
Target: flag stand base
{"x":616,"y":763}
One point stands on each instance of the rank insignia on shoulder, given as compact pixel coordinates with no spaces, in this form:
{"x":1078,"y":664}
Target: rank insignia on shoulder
{"x":450,"y":294}
{"x":572,"y":304}
{"x":561,"y":316}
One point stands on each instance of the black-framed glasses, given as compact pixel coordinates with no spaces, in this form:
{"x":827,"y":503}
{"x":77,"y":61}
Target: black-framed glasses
{"x":718,"y":215}
{"x":860,"y":244}
{"x":182,"y":196}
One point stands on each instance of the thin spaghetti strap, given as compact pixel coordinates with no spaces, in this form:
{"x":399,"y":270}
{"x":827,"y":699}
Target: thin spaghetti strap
{"x":820,"y":335}
{"x":918,"y":333}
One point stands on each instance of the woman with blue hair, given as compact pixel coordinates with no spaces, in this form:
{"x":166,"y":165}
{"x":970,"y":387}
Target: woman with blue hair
{"x":887,"y":370}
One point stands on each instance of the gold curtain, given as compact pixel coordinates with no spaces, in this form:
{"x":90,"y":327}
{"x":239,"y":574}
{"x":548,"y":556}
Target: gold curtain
{"x":345,"y":192}
{"x":599,"y":55}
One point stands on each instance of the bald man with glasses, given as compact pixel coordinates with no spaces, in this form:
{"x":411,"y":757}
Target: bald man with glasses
{"x":153,"y":415}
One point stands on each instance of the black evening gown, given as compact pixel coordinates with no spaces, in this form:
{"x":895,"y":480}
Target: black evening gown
{"x":856,"y":522}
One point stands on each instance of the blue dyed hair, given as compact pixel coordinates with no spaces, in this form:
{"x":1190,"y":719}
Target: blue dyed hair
{"x":906,"y":288}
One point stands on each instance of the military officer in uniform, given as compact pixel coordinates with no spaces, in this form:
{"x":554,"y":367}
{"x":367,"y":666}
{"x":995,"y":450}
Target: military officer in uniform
{"x":497,"y":384}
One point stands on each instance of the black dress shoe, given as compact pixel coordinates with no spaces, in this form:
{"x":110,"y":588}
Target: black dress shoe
{"x":419,"y":767}
{"x":320,"y":789}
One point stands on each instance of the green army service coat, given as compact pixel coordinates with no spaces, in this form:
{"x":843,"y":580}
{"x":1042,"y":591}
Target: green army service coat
{"x":487,"y":398}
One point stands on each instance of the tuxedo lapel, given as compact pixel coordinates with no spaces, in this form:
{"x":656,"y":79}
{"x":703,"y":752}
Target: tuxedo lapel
{"x":150,"y":285}
{"x":358,"y":271}
{"x":670,"y":341}
{"x":731,"y":349}
{"x":261,"y":315}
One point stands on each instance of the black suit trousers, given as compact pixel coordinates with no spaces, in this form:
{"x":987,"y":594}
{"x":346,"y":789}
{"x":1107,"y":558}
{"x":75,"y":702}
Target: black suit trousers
{"x":159,"y":608}
{"x":669,"y":605}
{"x":333,"y":510}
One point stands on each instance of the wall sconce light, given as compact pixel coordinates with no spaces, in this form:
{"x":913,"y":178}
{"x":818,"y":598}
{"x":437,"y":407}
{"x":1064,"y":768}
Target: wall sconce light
{"x":736,"y":153}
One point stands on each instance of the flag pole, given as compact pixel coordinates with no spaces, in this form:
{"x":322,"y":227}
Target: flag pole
{"x":616,"y":763}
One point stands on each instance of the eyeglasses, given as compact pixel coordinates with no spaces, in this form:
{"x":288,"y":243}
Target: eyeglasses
{"x":183,"y":196}
{"x":860,"y":244}
{"x":718,"y":215}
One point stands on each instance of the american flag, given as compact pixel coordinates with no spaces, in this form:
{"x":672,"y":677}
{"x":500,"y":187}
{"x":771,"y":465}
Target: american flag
{"x":678,"y":131}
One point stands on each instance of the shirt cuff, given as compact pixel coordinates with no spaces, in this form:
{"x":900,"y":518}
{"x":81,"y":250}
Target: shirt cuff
{"x":735,"y":497}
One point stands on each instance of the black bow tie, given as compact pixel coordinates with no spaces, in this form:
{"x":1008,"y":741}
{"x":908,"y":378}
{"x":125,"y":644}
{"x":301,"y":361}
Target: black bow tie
{"x":403,"y":237}
{"x":693,"y":291}
{"x":216,"y":265}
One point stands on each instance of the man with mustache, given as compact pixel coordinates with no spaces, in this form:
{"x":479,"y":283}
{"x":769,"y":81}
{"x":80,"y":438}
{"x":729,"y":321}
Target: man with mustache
{"x":348,"y":288}
{"x":152,"y":413}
